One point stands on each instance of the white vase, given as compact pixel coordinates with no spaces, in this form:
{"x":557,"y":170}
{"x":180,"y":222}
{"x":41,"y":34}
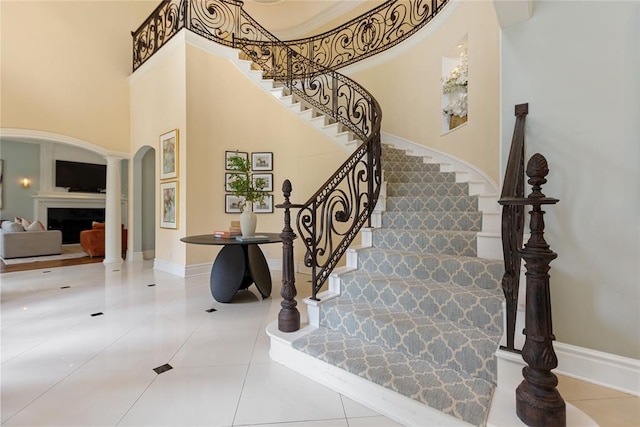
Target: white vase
{"x":248,"y":220}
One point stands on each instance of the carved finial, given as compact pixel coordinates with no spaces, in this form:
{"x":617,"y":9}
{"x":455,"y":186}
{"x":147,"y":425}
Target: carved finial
{"x":286,"y":189}
{"x":537,"y":169}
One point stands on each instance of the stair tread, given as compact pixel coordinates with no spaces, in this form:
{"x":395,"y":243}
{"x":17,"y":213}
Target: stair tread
{"x":390,"y":315}
{"x":454,"y":393}
{"x":455,"y":345}
{"x":465,"y":304}
{"x":485,"y":261}
{"x":385,"y":279}
{"x":440,"y":220}
{"x":419,"y":241}
{"x":464,"y":270}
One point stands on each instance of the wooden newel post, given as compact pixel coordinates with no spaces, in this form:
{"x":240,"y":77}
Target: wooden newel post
{"x":538,"y":402}
{"x":289,"y":316}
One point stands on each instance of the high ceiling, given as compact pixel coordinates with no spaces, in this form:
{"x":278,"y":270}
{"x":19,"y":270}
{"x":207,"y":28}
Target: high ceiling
{"x":290,"y":19}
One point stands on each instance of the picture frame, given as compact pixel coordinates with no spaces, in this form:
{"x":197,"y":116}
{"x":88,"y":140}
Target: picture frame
{"x":262,"y":161}
{"x":229,"y":154}
{"x":169,"y":204}
{"x":169,"y":150}
{"x":268,"y":178}
{"x":228,"y":179}
{"x":266,"y":206}
{"x":233,"y":203}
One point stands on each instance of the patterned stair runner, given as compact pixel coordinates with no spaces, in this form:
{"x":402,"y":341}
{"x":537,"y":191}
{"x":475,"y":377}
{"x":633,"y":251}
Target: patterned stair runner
{"x":422,"y":314}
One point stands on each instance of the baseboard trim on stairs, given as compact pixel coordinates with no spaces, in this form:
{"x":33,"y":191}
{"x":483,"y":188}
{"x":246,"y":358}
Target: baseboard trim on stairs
{"x":604,"y":369}
{"x":437,"y":156}
{"x":392,"y":405}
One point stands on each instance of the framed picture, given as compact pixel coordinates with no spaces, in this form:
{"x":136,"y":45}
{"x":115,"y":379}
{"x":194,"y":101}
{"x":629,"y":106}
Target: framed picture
{"x":230,"y":154}
{"x":169,"y":200}
{"x":266,"y":206}
{"x":169,"y":155}
{"x":268,"y":179}
{"x":228,"y":179}
{"x":232,"y":203}
{"x":262,"y":161}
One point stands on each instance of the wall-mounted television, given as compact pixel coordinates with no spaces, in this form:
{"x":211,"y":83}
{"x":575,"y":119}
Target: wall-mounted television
{"x":84,"y":177}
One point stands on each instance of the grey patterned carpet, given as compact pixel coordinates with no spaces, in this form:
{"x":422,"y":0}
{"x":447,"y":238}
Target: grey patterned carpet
{"x":422,"y":314}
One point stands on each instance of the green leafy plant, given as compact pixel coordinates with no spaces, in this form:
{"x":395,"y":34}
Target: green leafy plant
{"x":242,"y":182}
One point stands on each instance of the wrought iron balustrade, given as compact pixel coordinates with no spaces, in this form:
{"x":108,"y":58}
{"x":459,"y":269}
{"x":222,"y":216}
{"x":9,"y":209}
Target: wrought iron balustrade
{"x":368,"y":34}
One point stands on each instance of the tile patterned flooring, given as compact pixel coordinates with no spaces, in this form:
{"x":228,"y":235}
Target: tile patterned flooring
{"x":61,"y":366}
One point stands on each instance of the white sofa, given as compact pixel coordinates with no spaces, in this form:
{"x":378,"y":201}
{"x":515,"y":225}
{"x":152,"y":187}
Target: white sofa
{"x":20,"y":244}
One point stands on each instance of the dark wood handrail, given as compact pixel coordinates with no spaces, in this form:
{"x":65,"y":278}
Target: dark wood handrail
{"x":513,"y":223}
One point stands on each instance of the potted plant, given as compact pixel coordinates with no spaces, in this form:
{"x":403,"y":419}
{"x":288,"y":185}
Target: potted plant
{"x":250,"y":189}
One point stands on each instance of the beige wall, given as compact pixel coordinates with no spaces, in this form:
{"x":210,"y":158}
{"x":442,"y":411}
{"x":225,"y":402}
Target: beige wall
{"x":216,"y":109}
{"x":408,"y":87}
{"x":158,"y":105}
{"x":227,"y":112}
{"x":64,"y":67}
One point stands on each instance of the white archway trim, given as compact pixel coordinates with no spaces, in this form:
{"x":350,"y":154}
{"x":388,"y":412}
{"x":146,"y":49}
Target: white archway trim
{"x":38,"y":135}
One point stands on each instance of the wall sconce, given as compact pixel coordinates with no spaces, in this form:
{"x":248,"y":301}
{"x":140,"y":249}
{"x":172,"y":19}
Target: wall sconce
{"x":25,"y":182}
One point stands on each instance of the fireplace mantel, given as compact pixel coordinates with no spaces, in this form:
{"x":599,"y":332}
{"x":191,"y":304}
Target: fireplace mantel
{"x":43,"y":201}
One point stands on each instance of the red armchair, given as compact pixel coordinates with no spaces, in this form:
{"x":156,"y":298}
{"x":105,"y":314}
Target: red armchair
{"x":92,"y":241}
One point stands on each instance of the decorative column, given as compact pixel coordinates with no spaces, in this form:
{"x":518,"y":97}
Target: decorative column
{"x":113,"y":212}
{"x":289,"y":316}
{"x":538,"y":402}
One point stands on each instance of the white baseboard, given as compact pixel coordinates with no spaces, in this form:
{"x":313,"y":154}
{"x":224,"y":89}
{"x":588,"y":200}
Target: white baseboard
{"x":596,"y":367}
{"x":169,"y":267}
{"x":605,"y":369}
{"x":197,"y":269}
{"x":135,"y":256}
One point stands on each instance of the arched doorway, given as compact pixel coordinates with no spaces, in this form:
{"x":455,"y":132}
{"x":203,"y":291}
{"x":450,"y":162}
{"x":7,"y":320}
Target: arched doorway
{"x":49,"y":197}
{"x":143,"y":203}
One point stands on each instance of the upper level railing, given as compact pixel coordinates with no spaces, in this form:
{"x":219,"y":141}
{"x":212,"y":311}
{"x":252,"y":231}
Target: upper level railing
{"x":368,"y":34}
{"x":513,"y":223}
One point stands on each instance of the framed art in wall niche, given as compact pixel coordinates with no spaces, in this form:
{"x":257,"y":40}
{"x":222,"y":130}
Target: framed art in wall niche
{"x":169,"y":155}
{"x":262,"y":161}
{"x":265,"y":206}
{"x":229,"y":154}
{"x":169,"y":208}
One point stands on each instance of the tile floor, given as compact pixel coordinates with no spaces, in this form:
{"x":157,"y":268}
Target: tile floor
{"x":80,"y":344}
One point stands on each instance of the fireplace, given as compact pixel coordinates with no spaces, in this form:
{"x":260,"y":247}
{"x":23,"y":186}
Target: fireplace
{"x":72,"y":212}
{"x":71,"y":221}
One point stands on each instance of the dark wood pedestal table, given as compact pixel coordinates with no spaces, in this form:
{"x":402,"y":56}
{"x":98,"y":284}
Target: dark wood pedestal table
{"x":238,"y":265}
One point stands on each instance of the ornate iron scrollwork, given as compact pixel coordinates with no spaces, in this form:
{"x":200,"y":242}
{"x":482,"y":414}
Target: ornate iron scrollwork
{"x":163,"y":23}
{"x":370,"y":33}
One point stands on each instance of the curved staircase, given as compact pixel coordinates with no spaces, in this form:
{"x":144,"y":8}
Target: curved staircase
{"x":415,"y":311}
